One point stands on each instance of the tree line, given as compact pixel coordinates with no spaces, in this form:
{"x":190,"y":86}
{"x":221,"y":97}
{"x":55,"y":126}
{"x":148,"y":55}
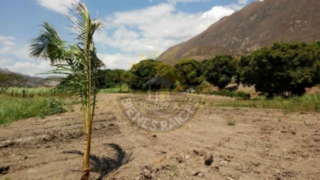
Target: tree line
{"x":282,"y":69}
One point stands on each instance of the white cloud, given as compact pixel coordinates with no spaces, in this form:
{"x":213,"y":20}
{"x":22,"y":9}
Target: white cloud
{"x":217,"y":12}
{"x":7,"y":40}
{"x":118,"y":61}
{"x":243,"y":1}
{"x":139,"y":34}
{"x":4,"y":61}
{"x":148,"y":32}
{"x":16,"y":58}
{"x":6,"y":44}
{"x":60,"y":6}
{"x":30,"y":68}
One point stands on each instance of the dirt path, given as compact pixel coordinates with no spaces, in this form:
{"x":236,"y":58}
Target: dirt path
{"x":263,"y":144}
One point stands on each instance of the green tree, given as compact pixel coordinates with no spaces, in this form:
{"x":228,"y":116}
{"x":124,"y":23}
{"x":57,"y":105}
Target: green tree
{"x":79,"y":60}
{"x":169,"y":76}
{"x":191,"y":71}
{"x":145,"y":70}
{"x":282,"y":69}
{"x":220,"y":70}
{"x":128,"y":78}
{"x":113,"y":77}
{"x":8,"y":80}
{"x":102,"y":78}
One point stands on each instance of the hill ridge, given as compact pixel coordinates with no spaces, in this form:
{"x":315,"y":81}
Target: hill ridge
{"x":259,"y":24}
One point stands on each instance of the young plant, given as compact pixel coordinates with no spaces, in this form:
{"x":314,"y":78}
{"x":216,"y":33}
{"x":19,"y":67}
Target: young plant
{"x":79,"y":61}
{"x":231,"y":122}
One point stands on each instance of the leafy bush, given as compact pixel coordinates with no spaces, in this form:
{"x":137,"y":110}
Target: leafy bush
{"x":204,"y":87}
{"x":243,"y":95}
{"x":231,"y":122}
{"x":51,"y":106}
{"x":227,"y":93}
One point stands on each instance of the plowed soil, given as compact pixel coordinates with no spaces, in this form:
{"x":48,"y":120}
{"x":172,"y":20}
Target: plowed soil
{"x":263,"y":144}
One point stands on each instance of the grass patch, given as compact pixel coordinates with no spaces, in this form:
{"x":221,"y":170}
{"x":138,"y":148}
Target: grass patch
{"x":231,"y":123}
{"x":124,"y":88}
{"x":115,"y":90}
{"x":32,"y":92}
{"x":239,"y":94}
{"x":14,"y":108}
{"x":305,"y":103}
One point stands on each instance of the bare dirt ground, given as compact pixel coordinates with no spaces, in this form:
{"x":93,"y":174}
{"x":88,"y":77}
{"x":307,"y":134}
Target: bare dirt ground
{"x":263,"y":144}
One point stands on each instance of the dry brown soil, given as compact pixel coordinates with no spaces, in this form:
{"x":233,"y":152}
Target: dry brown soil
{"x":263,"y":144}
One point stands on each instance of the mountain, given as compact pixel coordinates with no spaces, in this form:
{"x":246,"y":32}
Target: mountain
{"x":35,"y":81}
{"x":5,"y":70}
{"x":259,"y":24}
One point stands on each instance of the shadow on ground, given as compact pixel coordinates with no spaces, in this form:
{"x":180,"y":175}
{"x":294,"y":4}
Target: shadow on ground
{"x":105,"y":165}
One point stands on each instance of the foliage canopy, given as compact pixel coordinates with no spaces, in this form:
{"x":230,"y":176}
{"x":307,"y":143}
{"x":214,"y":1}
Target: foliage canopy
{"x":8,"y":80}
{"x":220,"y":70}
{"x":281,"y":69}
{"x":191,"y":71}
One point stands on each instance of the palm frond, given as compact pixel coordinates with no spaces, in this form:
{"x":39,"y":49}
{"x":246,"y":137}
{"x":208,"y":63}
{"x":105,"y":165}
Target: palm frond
{"x":48,"y":45}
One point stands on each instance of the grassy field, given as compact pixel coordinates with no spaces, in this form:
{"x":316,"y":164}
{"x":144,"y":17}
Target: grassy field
{"x":306,"y":103}
{"x":21,"y":103}
{"x":16,"y":108}
{"x":31,"y":92}
{"x":124,"y":88}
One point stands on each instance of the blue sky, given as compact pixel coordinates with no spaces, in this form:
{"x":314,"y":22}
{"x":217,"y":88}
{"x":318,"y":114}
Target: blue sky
{"x":132,"y":29}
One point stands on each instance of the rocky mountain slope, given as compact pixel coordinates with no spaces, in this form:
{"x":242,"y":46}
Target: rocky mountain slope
{"x":35,"y":81}
{"x":259,"y":24}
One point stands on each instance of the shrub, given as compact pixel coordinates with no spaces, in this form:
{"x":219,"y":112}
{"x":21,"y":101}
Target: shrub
{"x":231,"y":123}
{"x":51,"y":106}
{"x":227,"y":93}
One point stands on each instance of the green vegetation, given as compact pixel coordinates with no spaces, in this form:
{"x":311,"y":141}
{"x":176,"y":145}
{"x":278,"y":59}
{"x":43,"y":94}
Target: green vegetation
{"x":128,"y":78}
{"x":123,"y":88}
{"x":8,"y":80}
{"x":80,"y":62}
{"x":283,"y":69}
{"x":191,"y":71}
{"x":227,"y":93}
{"x":144,"y":71}
{"x":175,"y":170}
{"x":204,"y":88}
{"x":13,"y":109}
{"x":220,"y":70}
{"x":113,"y":77}
{"x":305,"y":103}
{"x":231,"y":122}
{"x":32,"y":92}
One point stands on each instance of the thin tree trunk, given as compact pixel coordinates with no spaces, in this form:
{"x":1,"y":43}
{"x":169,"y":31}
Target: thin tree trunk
{"x":86,"y":155}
